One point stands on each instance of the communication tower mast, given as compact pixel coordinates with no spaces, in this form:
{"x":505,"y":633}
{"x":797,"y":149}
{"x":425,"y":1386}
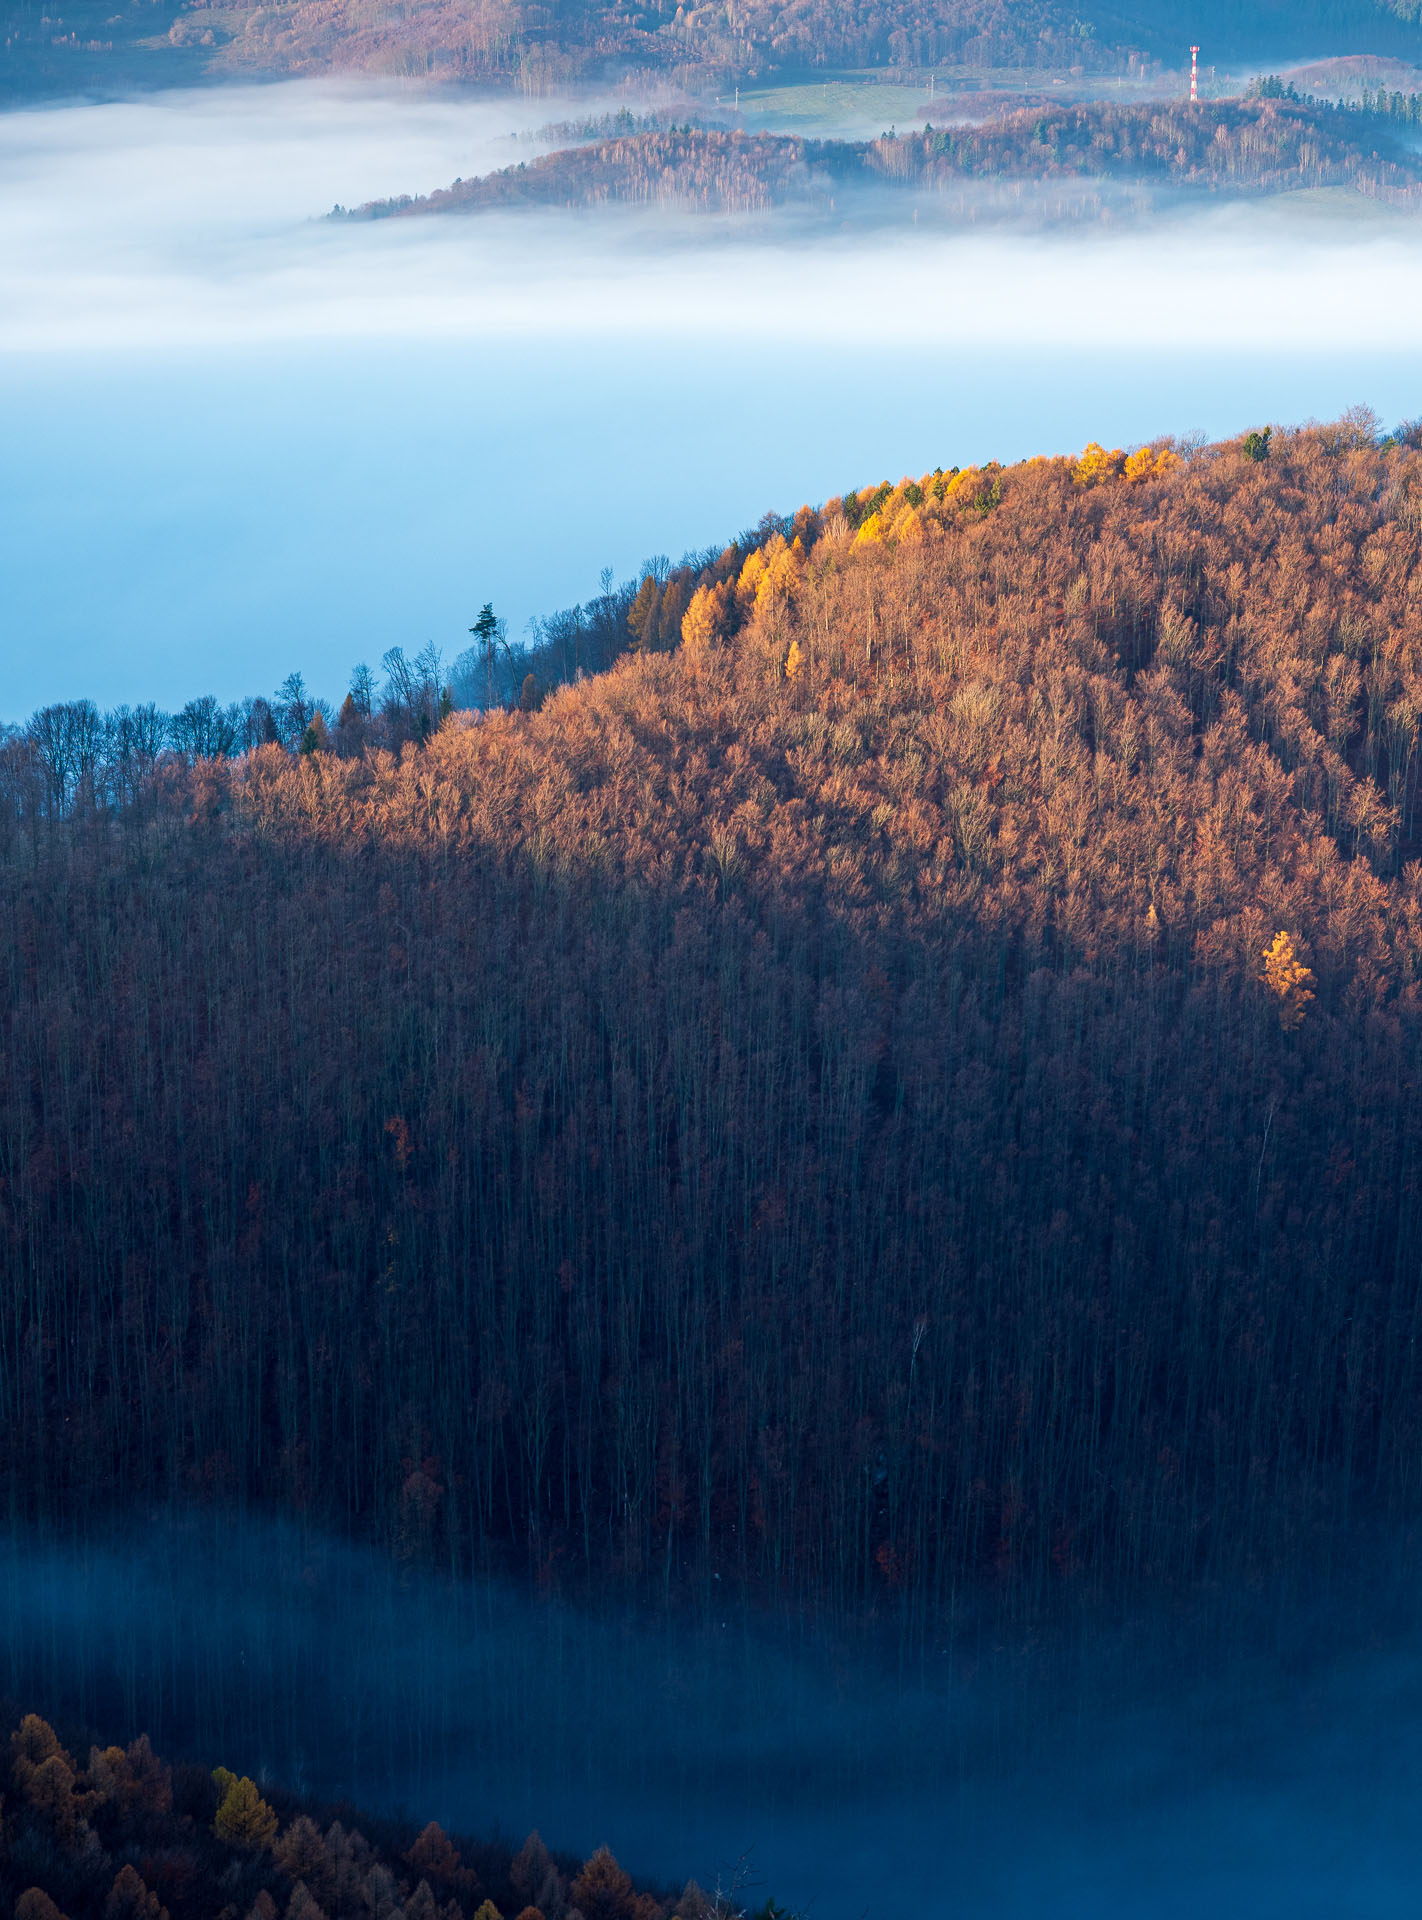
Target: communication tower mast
{"x":1194,"y":75}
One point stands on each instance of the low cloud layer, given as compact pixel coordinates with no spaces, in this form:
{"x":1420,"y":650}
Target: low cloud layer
{"x":1254,"y":1754}
{"x":241,"y":440}
{"x":191,"y":217}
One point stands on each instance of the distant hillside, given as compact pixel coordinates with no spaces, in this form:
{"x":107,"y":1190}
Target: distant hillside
{"x":907,"y":1086}
{"x":703,"y":47}
{"x":124,"y":1835}
{"x":1223,"y":149}
{"x":1230,"y":32}
{"x":1351,"y":76}
{"x":715,"y":43}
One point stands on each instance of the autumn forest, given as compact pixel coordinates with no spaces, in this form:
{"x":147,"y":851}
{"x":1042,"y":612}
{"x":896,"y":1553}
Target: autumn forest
{"x":129,"y":1836}
{"x":904,"y":1082}
{"x":731,"y":1235}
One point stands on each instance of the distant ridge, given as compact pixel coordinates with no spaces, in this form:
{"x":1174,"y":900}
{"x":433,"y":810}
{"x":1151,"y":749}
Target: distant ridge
{"x":705,"y":49}
{"x":1225,"y":149}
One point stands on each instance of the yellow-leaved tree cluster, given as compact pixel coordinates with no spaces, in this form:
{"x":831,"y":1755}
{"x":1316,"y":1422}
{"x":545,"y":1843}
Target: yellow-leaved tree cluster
{"x":117,"y":1839}
{"x":764,"y":581}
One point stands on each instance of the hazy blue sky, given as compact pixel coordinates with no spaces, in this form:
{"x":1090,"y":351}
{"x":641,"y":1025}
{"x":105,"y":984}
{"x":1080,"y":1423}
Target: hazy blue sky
{"x":181,"y":523}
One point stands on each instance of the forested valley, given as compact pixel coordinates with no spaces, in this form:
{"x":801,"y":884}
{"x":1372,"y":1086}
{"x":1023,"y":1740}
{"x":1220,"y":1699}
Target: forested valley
{"x":903,"y":1084}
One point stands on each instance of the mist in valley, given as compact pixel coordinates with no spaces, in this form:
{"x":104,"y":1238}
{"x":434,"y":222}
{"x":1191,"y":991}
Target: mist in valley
{"x":272,"y":441}
{"x":1253,"y":1752}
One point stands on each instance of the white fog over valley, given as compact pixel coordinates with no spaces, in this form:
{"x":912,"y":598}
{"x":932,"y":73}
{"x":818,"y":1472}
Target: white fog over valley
{"x":281,"y":442}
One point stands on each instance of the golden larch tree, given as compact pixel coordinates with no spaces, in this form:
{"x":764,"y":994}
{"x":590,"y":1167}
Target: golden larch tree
{"x":1097,"y":464}
{"x":243,"y":1817}
{"x":1288,"y":979}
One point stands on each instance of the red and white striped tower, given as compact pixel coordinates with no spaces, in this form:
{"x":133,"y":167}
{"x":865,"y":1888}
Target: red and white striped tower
{"x":1194,"y":75}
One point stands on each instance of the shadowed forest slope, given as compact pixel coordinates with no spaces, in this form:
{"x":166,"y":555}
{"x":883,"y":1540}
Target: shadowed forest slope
{"x":809,"y":1105}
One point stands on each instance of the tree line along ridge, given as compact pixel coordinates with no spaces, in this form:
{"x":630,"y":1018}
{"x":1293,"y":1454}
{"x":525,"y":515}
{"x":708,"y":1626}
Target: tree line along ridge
{"x":1260,"y":146}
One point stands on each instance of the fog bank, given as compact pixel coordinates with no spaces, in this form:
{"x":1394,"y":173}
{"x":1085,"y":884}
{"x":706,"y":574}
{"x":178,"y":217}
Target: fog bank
{"x":1129,"y":1769}
{"x":240,"y":440}
{"x":192,"y":217}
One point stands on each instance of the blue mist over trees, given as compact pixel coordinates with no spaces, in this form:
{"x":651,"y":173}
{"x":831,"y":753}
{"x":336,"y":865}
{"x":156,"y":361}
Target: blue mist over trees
{"x":1213,"y":1757}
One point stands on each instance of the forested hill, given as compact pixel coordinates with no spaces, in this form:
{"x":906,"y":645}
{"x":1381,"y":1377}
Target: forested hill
{"x":695,"y":44}
{"x":713,"y":43}
{"x":705,"y":47}
{"x":127,"y":1836}
{"x":1234,"y":148}
{"x":907,"y":1085}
